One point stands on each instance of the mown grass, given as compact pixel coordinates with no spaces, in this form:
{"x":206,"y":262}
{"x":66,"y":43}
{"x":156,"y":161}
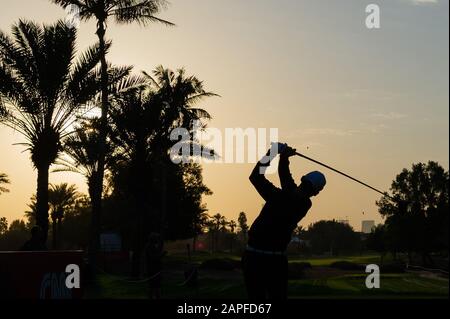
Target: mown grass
{"x":214,"y":284}
{"x":353,"y":286}
{"x":326,"y":261}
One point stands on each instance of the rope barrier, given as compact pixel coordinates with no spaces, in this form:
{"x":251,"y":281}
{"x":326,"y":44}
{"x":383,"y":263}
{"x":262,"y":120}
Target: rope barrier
{"x":427,"y":269}
{"x":131,"y":281}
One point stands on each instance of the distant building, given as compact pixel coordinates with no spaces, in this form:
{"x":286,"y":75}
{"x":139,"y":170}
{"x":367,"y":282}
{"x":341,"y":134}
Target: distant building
{"x":367,"y":226}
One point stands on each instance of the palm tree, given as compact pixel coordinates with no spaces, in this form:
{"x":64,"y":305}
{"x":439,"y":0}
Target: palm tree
{"x":81,"y":147}
{"x":232,"y":224}
{"x":243,"y":227}
{"x":82,"y":153}
{"x":123,"y":12}
{"x":3,"y":180}
{"x":43,"y":88}
{"x":176,"y":99}
{"x":30,"y":214}
{"x":141,"y":122}
{"x":61,"y":198}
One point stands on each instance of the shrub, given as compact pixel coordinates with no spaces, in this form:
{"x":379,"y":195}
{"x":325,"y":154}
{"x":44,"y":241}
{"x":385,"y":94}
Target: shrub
{"x":297,"y":270}
{"x":393,"y":268}
{"x":220,"y":264}
{"x":347,"y":265}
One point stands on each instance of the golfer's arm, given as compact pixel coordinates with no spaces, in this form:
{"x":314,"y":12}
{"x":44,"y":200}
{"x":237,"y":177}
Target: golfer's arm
{"x":286,"y":180}
{"x":260,"y":182}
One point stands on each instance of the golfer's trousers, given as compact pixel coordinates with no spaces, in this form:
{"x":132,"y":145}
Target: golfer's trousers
{"x":265,"y":276}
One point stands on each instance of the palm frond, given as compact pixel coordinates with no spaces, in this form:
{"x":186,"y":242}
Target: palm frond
{"x":140,"y":11}
{"x":41,"y":88}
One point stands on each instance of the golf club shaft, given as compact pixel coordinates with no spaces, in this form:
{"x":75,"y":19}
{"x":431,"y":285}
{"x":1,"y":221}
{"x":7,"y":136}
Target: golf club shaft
{"x":339,"y":172}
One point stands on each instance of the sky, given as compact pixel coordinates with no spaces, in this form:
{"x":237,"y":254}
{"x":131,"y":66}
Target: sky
{"x":369,"y":102}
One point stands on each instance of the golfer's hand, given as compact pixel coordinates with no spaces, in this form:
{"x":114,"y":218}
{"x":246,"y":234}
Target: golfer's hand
{"x":288,"y":152}
{"x":276,"y":148}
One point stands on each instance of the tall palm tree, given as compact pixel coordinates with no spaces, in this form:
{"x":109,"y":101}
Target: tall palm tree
{"x":42,"y":88}
{"x":81,"y":148}
{"x":123,"y":12}
{"x":30,"y":214}
{"x":61,"y":198}
{"x":82,"y":157}
{"x":141,"y":122}
{"x":4,"y":180}
{"x":176,"y":99}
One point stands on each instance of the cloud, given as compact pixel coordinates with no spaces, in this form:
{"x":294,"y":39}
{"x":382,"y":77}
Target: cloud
{"x":389,"y":116}
{"x":328,"y":131}
{"x":423,"y":2}
{"x":365,"y":94}
{"x":354,"y":94}
{"x":376,"y":128}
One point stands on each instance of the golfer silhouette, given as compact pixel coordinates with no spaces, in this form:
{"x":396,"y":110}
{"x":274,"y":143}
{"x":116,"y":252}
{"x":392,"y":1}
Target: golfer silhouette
{"x":265,"y":264}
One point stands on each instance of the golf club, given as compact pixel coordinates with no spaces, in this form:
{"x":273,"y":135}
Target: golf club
{"x":346,"y":175}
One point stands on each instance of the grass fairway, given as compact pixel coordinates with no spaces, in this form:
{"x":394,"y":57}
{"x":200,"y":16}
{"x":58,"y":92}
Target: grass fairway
{"x":215,"y":284}
{"x":353,"y":286}
{"x":326,"y":261}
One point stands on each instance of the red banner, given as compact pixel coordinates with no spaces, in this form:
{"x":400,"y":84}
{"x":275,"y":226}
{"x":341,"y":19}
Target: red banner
{"x":41,"y":275}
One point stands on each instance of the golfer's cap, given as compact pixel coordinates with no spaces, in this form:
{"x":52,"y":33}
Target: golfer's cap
{"x":317,"y":179}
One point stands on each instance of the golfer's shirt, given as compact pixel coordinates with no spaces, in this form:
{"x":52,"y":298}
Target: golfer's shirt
{"x":283,"y":210}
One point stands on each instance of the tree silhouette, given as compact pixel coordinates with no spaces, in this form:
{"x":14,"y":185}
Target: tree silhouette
{"x":200,"y":224}
{"x":333,"y":237}
{"x":219,"y":223}
{"x":243,"y":226}
{"x":3,"y":180}
{"x":30,"y":214}
{"x":43,"y":88}
{"x":142,"y":120}
{"x":417,"y":217}
{"x":123,"y":12}
{"x":376,"y":241}
{"x":301,"y":234}
{"x":176,"y":99}
{"x":232,"y":224}
{"x":3,"y":225}
{"x":61,"y":198}
{"x":82,"y":151}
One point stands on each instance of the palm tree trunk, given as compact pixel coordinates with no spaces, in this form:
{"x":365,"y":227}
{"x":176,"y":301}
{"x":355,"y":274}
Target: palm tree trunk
{"x":163,"y":199}
{"x":42,"y":200}
{"x":94,"y":241}
{"x":194,"y":243}
{"x":54,"y":230}
{"x":139,"y":235}
{"x":59,"y":231}
{"x":139,"y":180}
